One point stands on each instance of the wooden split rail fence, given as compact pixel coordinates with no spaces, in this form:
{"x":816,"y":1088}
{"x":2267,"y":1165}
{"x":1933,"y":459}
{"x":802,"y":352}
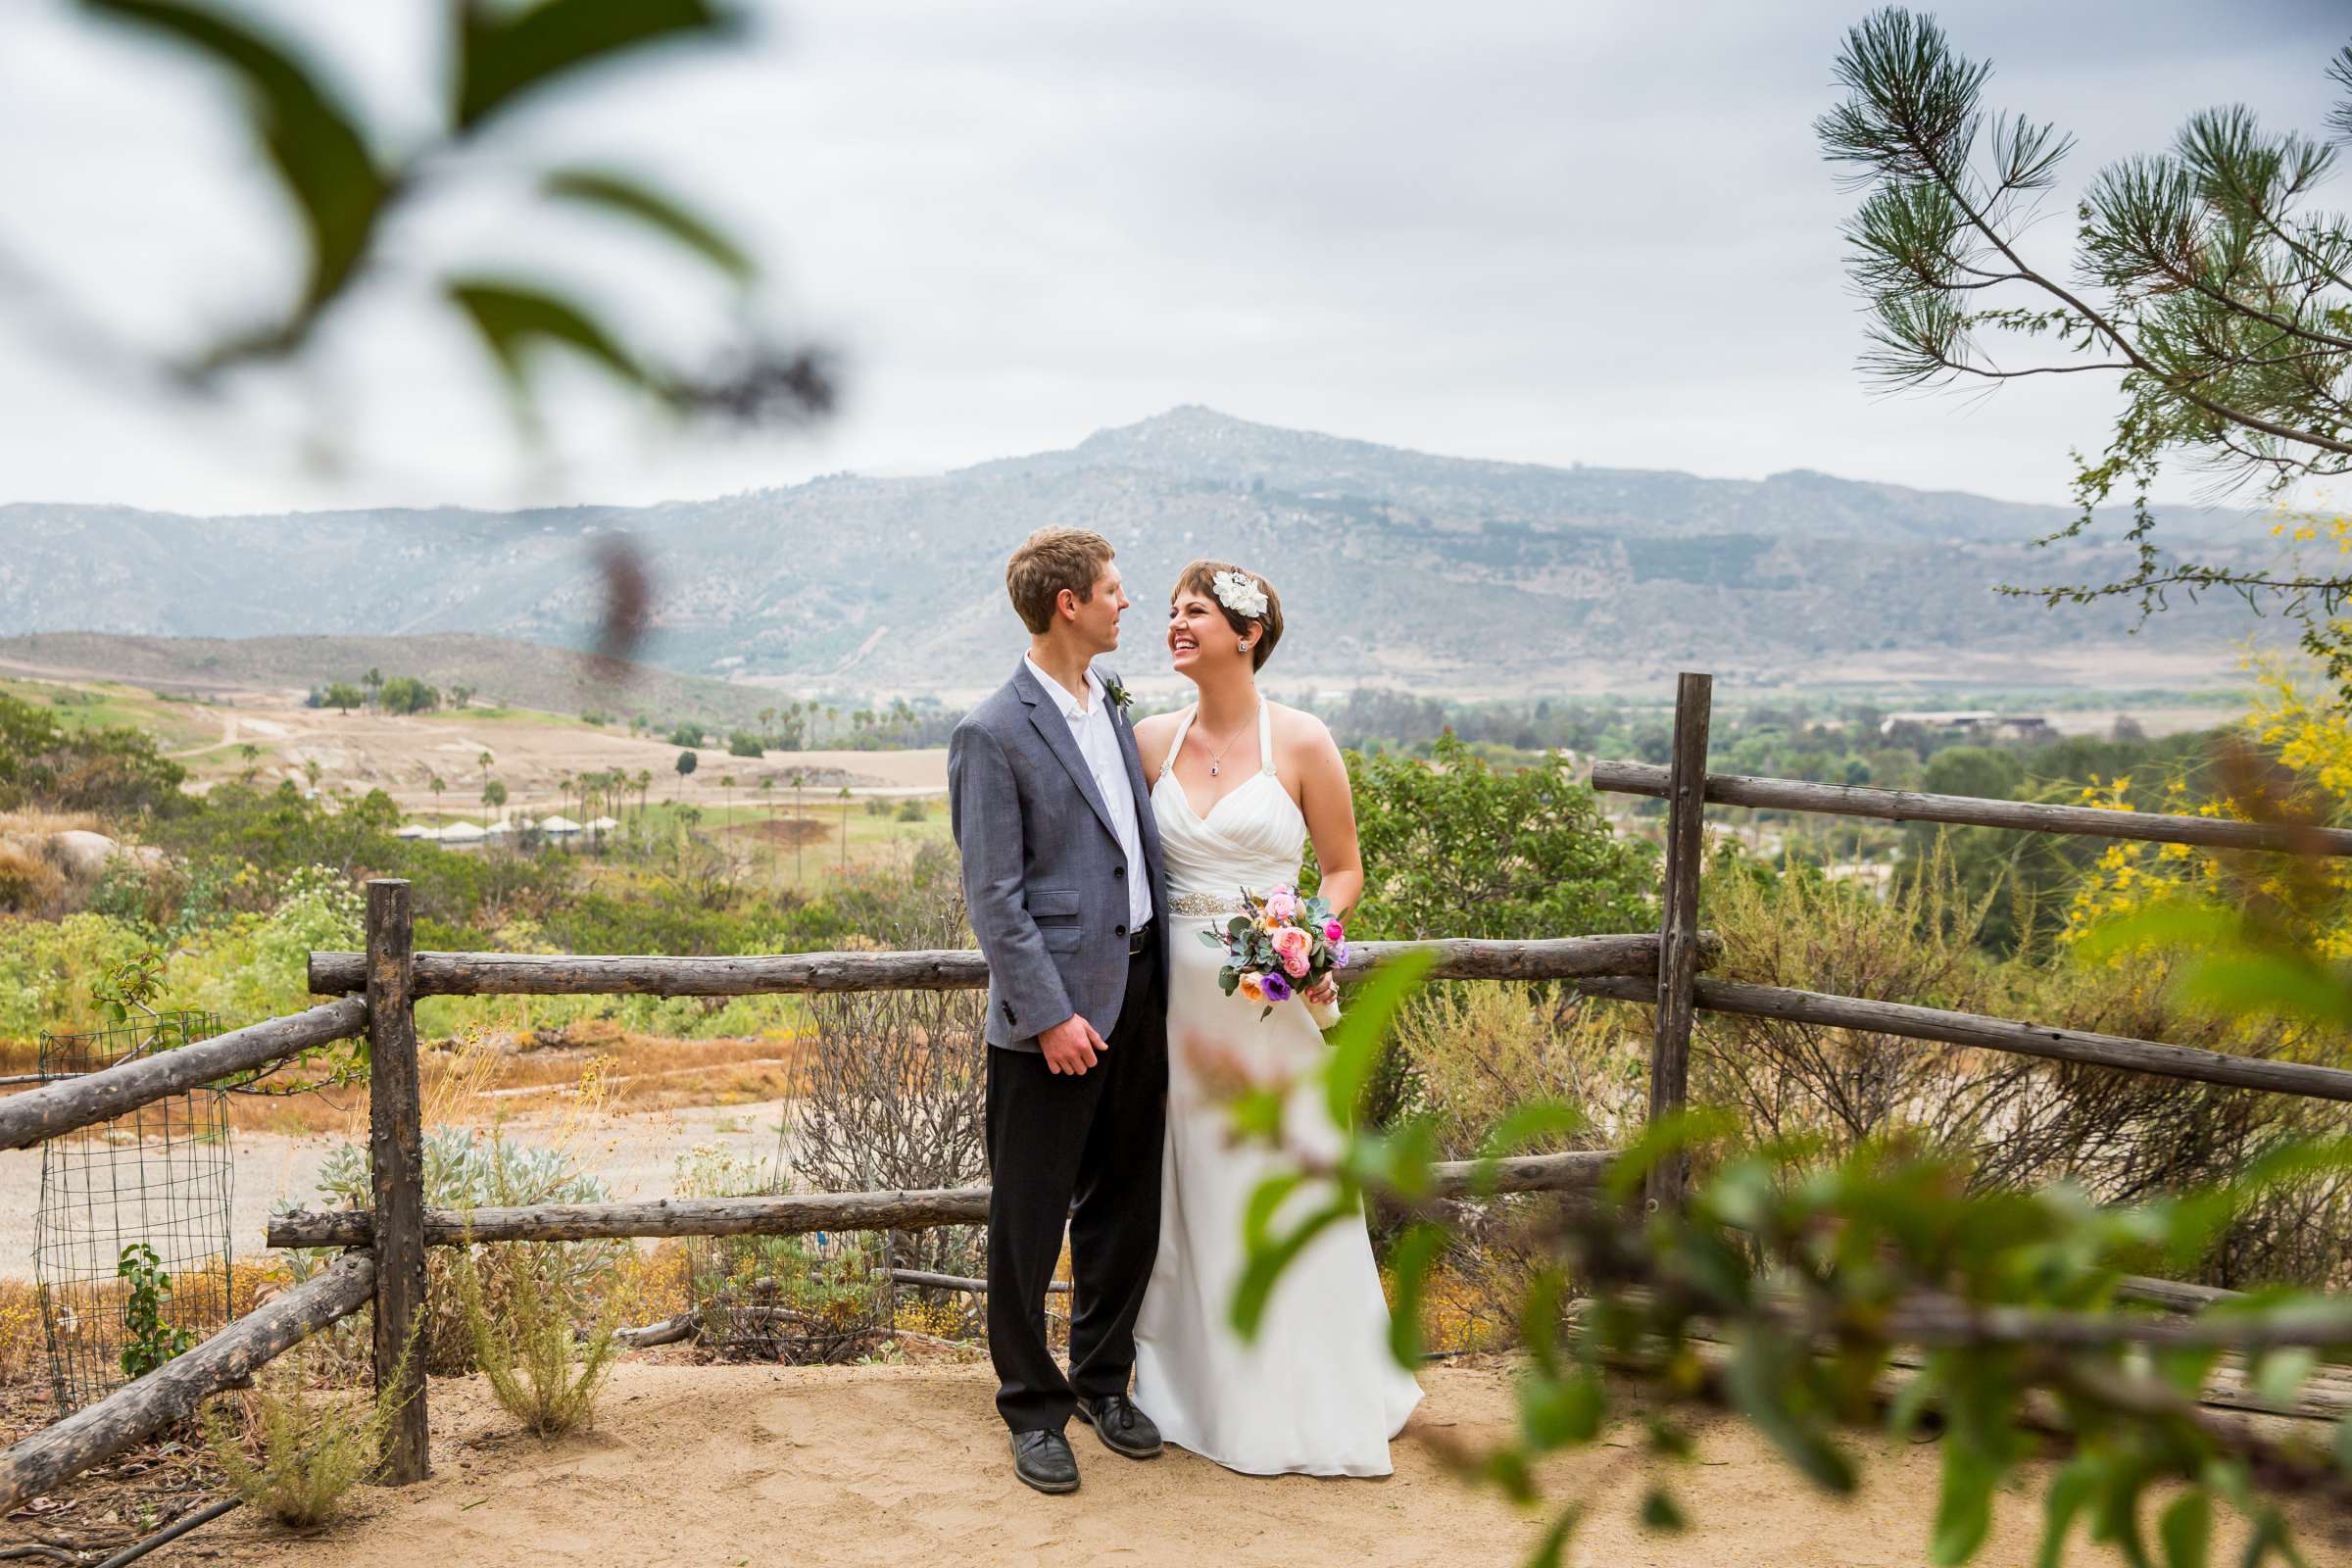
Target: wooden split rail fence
{"x":384,"y":1268}
{"x":378,"y":988}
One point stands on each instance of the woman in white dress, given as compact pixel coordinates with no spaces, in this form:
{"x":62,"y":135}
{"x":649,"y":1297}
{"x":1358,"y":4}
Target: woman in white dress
{"x":1240,"y":783}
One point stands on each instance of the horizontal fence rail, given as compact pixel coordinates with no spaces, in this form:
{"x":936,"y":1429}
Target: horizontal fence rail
{"x":59,"y":1107}
{"x":170,"y":1394}
{"x":548,"y":974}
{"x":1966,"y":810}
{"x":797,"y":1212}
{"x":1997,"y":1034}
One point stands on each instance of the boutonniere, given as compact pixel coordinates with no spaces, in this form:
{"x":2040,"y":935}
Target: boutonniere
{"x":1117,"y":690}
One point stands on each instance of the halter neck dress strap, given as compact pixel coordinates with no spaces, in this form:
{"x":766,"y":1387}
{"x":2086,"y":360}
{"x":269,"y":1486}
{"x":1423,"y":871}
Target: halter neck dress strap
{"x":1184,"y":727}
{"x":1265,"y":738}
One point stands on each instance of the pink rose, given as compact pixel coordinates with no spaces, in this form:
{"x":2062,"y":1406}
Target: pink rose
{"x":1333,"y":931}
{"x":1282,"y":905}
{"x":1292,"y":946}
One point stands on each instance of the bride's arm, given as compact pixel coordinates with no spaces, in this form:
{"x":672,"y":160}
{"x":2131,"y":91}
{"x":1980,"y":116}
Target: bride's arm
{"x":1329,"y":807}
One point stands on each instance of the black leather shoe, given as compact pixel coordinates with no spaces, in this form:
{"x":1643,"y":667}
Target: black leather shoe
{"x":1122,"y":1428}
{"x":1043,"y":1460}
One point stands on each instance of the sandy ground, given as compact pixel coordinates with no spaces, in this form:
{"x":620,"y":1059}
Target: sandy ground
{"x":890,"y":1465}
{"x":636,"y":1154}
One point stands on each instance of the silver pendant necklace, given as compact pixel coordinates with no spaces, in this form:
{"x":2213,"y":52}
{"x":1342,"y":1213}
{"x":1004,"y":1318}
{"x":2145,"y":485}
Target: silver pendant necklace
{"x":1217,"y":753}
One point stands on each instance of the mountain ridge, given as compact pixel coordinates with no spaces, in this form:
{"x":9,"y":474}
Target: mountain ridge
{"x":1395,"y":565}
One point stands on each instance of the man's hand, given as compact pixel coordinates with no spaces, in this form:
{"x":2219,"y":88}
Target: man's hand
{"x":1071,"y":1045}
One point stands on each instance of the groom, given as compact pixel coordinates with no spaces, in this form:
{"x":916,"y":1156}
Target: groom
{"x":1061,"y":873}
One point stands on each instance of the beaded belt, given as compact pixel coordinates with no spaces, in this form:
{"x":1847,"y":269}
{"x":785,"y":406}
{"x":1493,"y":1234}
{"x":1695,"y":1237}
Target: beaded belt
{"x":1203,"y":903}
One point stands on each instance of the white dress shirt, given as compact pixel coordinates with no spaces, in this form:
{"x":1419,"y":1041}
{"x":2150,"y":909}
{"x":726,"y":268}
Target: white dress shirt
{"x":1097,"y":738}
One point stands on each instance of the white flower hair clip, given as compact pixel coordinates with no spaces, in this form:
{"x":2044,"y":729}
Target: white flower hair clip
{"x":1239,"y":593}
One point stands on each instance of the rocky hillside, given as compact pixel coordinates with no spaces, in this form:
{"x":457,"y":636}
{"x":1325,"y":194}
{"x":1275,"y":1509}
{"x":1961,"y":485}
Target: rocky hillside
{"x":1393,"y":564}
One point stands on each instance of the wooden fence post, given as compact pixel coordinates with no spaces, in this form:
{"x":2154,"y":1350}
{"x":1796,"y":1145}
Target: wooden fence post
{"x":395,"y":1164}
{"x":1677,"y":926}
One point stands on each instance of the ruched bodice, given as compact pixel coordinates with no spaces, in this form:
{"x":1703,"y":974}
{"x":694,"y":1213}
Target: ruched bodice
{"x":1255,"y":838}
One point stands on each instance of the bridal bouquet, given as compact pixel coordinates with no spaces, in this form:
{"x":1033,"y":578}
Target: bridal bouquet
{"x":1282,"y":947}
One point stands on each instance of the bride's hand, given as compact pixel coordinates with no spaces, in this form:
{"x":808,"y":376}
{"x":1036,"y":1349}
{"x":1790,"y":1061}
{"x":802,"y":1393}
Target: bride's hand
{"x":1324,"y":991}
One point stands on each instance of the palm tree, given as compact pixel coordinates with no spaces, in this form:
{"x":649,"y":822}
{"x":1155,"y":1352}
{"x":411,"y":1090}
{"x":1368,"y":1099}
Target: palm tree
{"x":645,"y":784}
{"x":485,"y":760}
{"x":686,"y":764}
{"x":799,"y":777}
{"x":844,"y":827}
{"x":494,"y":795}
{"x":435,"y":784}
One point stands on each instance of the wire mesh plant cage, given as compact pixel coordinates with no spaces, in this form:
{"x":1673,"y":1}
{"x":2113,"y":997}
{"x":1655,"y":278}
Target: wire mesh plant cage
{"x":149,"y":1190}
{"x":815,"y":1299}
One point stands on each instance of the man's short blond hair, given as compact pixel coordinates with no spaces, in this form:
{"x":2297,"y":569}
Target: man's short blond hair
{"x":1047,"y":561}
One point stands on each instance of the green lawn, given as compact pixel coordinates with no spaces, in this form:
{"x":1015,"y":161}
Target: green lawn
{"x":111,"y":705}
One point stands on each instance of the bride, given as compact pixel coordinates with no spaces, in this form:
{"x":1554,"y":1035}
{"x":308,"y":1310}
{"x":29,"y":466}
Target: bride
{"x":1240,"y":783}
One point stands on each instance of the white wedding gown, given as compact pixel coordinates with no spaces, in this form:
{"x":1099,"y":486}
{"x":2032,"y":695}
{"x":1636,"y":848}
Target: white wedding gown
{"x":1317,"y":1392}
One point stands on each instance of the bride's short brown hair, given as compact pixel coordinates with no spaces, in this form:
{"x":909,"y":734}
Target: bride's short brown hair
{"x":1201,"y":578}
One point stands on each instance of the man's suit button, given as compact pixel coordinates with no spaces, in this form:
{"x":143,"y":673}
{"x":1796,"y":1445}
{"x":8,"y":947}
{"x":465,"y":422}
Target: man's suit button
{"x":1120,"y":929}
{"x":1118,"y":873}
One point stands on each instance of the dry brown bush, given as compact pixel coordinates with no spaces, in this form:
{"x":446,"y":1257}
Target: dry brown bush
{"x":1477,"y":1051}
{"x":896,"y":1083}
{"x":29,"y":885}
{"x":2019,"y":1121}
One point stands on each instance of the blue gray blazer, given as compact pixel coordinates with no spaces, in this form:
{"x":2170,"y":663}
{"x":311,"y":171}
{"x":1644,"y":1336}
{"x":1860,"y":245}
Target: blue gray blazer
{"x":1044,"y":878}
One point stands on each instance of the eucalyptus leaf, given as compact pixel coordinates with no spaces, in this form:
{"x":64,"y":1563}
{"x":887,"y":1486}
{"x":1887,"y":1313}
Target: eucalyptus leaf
{"x":1409,"y":1263}
{"x":2186,"y":1530}
{"x":507,"y":52}
{"x":1355,"y":1045}
{"x":515,"y":320}
{"x":611,"y":191}
{"x":312,"y":141}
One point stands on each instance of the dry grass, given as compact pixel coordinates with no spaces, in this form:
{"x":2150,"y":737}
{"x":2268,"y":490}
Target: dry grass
{"x":32,"y":822}
{"x":474,"y":1084}
{"x":28,"y":884}
{"x":22,"y":1351}
{"x":527,"y":1349}
{"x":292,"y":1449}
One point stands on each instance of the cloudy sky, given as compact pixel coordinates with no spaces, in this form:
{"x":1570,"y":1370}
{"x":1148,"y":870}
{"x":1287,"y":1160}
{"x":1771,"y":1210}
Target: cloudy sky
{"x":1595,"y":232}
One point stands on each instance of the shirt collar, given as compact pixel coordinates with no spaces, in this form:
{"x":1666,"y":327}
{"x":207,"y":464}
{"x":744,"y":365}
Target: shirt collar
{"x":1060,"y":695}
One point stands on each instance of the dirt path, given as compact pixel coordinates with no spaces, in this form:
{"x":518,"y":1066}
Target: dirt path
{"x":896,"y":1465}
{"x":636,"y":1154}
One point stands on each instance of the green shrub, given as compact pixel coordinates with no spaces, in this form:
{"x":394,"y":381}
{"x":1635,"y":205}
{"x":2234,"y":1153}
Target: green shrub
{"x":117,"y":772}
{"x":543,"y":1371}
{"x":467,"y":1168}
{"x":292,"y":1452}
{"x":1452,"y":847}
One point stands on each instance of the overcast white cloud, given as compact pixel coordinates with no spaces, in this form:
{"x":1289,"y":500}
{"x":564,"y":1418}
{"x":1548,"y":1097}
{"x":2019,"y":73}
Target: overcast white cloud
{"x":1597,"y":233}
